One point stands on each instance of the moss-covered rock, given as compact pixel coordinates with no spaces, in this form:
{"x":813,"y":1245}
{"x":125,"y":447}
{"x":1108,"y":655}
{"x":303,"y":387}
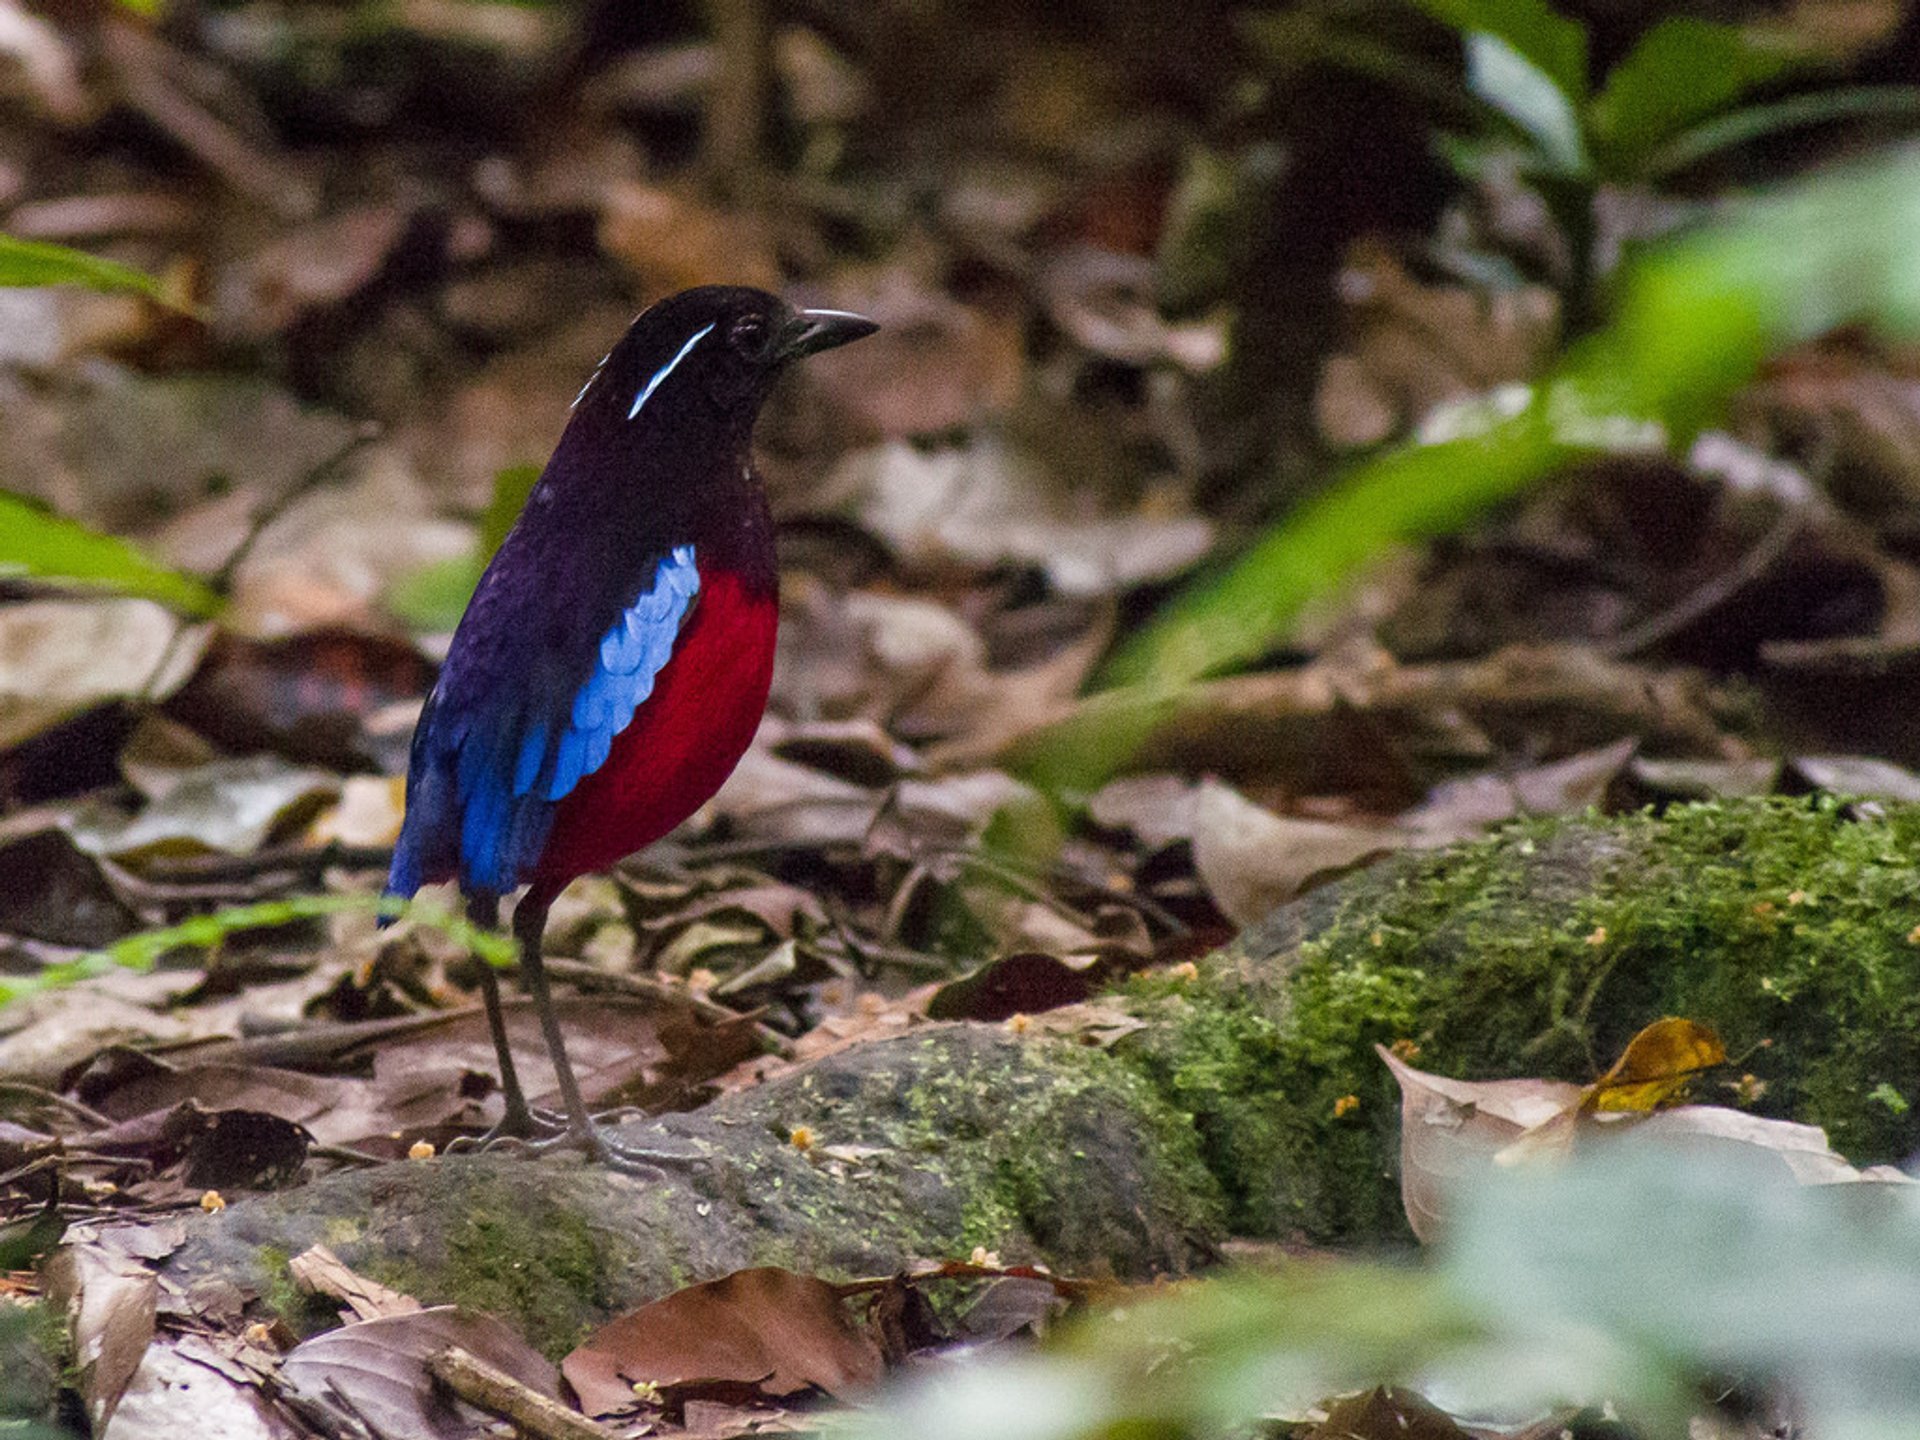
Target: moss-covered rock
{"x":1791,"y":926}
{"x":921,"y":1146}
{"x":1251,"y":1097}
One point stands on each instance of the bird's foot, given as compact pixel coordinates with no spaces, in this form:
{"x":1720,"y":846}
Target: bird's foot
{"x":542,"y":1132}
{"x":521,"y":1126}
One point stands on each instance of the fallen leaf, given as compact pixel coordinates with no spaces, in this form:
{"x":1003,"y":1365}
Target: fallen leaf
{"x":111,"y":1300}
{"x":1656,"y":1067}
{"x":1252,"y":860}
{"x":1453,"y":1129}
{"x":988,"y":505}
{"x":1386,"y":1413}
{"x":59,"y":658}
{"x":767,"y":1328}
{"x":1802,"y":1149}
{"x":319,"y":1271}
{"x":54,"y":892}
{"x":317,"y":264}
{"x":1020,"y":984}
{"x":934,"y":366}
{"x":1860,"y":776}
{"x":1160,"y":810}
{"x":223,"y":1406}
{"x":672,"y":240}
{"x":378,"y":1368}
{"x":230,"y":806}
{"x":329,"y":697}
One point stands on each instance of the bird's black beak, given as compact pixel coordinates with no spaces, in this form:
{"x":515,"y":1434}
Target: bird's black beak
{"x":811,"y":331}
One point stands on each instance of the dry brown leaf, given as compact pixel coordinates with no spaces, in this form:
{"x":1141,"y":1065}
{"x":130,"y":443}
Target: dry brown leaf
{"x":378,"y":1367}
{"x":1252,"y":860}
{"x":672,"y":240}
{"x":111,"y":1300}
{"x":1386,"y":1413}
{"x":1451,"y":1129}
{"x":935,"y":365}
{"x":60,"y":658}
{"x":768,"y":1328}
{"x":989,"y":504}
{"x":319,"y":1271}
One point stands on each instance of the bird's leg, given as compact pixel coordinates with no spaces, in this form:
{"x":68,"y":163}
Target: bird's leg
{"x":517,"y":1120}
{"x":529,"y":925}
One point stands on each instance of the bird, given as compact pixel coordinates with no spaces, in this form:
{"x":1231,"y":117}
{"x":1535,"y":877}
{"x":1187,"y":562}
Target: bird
{"x":617,"y":653}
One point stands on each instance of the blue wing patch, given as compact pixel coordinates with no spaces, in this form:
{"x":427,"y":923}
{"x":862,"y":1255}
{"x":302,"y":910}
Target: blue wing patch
{"x":632,"y":654}
{"x":482,"y":789}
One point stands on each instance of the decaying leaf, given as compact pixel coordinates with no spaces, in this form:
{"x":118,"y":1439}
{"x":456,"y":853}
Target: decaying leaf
{"x":319,"y":1271}
{"x":377,"y":1370}
{"x":767,"y":1328}
{"x":110,"y":1299}
{"x":1386,"y":1413}
{"x":990,"y":505}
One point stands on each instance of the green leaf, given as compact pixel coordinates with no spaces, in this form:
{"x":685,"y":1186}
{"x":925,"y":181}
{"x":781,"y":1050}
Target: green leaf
{"x":35,"y":541}
{"x":510,"y":490}
{"x":34,"y":262}
{"x":1681,"y":72}
{"x":1754,"y":122}
{"x":1528,"y":96}
{"x":144,"y":950}
{"x":1550,"y":43}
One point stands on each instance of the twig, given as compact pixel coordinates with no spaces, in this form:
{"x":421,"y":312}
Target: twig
{"x":47,"y":1097}
{"x":1715,"y":592}
{"x":278,"y":505}
{"x":305,"y":862}
{"x":590,"y":977}
{"x":498,"y":1393}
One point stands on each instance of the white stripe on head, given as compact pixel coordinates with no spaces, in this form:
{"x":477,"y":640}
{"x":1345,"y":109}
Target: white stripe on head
{"x":665,"y":370}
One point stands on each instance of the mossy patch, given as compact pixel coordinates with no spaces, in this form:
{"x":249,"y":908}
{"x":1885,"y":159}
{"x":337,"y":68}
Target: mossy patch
{"x":1788,"y":925}
{"x":547,"y":1269}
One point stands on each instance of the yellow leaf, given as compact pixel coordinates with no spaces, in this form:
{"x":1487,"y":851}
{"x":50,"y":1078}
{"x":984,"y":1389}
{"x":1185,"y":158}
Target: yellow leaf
{"x":1656,"y":1067}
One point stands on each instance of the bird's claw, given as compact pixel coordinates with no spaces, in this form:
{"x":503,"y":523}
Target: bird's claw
{"x":543,"y":1132}
{"x":513,"y":1130}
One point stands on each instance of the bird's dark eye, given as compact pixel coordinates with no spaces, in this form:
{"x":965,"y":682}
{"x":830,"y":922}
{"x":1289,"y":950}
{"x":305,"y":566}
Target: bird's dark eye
{"x":748,"y":334}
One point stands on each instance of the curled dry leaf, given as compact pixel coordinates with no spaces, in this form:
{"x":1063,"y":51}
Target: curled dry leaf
{"x":768,"y":1328}
{"x":1656,"y":1067}
{"x":934,"y":366}
{"x":226,"y":1403}
{"x":1451,"y":1129}
{"x":319,"y":1271}
{"x":232,"y":806}
{"x":111,"y":1299}
{"x":1386,"y":1413}
{"x":672,"y":240}
{"x":315,"y":265}
{"x":54,"y":893}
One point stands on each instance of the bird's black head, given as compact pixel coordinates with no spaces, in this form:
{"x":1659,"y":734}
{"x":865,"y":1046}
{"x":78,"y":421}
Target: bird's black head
{"x":710,"y":353}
